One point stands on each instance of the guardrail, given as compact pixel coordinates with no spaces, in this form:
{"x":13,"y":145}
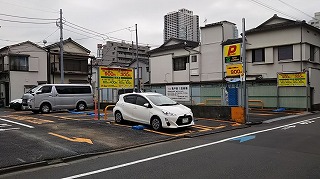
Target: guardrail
{"x":255,"y":103}
{"x":106,"y":111}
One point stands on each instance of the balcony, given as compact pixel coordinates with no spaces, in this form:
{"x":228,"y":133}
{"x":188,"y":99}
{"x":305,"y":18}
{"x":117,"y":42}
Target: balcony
{"x":70,"y":69}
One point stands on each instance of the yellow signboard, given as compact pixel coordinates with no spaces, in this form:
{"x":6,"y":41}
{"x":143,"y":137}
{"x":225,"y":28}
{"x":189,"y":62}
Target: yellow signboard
{"x":116,"y":77}
{"x":232,"y":53}
{"x":234,"y":70}
{"x":292,"y":79}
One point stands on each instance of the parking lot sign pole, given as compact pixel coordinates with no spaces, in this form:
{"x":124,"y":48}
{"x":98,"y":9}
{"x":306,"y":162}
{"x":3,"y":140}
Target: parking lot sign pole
{"x":245,"y":94}
{"x":98,"y":79}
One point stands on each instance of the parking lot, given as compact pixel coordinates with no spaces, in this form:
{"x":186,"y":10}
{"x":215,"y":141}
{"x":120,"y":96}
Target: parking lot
{"x":40,"y":139}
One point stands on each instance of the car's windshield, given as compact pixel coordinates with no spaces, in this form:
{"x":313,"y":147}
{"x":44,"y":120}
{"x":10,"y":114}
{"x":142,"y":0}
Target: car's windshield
{"x":161,"y":100}
{"x":34,"y":89}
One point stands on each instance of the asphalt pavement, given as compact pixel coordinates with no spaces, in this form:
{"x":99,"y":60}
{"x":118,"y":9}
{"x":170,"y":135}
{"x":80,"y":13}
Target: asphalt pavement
{"x":33,"y":140}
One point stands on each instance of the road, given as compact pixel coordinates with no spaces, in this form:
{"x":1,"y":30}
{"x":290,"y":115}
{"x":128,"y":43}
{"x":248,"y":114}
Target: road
{"x":283,"y":149}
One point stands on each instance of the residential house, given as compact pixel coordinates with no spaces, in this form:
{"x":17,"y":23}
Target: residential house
{"x":22,"y":66}
{"x":76,"y":61}
{"x":281,"y":45}
{"x":276,"y":46}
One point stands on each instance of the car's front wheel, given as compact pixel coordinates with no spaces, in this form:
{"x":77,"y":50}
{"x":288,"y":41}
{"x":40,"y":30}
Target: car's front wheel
{"x":156,"y":124}
{"x":118,"y":117}
{"x":45,"y":108}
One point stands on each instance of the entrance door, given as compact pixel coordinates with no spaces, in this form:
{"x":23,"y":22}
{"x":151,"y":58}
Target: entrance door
{"x":6,"y":91}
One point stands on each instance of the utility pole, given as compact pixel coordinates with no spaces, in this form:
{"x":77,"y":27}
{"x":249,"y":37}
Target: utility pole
{"x":137,"y":57}
{"x":244,"y":61}
{"x":61,"y":49}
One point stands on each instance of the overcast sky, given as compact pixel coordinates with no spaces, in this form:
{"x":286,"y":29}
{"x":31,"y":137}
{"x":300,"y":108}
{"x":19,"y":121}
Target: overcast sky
{"x":109,"y":17}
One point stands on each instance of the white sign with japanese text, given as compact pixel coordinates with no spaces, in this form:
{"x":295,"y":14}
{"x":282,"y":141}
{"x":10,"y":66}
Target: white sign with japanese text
{"x":178,"y":92}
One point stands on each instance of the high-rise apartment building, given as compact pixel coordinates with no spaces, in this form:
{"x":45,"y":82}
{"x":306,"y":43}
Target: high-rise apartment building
{"x":182,"y":25}
{"x":120,"y":54}
{"x":316,"y":20}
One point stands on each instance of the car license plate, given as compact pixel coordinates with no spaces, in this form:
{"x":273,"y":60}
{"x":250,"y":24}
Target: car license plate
{"x":185,"y":120}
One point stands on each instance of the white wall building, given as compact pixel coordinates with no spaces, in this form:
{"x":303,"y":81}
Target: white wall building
{"x":22,"y":66}
{"x":278,"y":45}
{"x":316,"y":20}
{"x":181,"y":24}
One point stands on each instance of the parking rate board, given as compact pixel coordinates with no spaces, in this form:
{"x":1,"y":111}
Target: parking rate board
{"x":116,"y":77}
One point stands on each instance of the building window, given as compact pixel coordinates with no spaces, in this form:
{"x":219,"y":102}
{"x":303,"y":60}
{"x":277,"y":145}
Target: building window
{"x":258,"y":55}
{"x":285,"y":52}
{"x":180,"y":63}
{"x":147,"y":69}
{"x":312,"y":53}
{"x":19,"y":63}
{"x":194,"y":58}
{"x":76,"y":65}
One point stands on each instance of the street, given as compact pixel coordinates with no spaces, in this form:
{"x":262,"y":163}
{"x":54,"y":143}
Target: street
{"x":283,"y":149}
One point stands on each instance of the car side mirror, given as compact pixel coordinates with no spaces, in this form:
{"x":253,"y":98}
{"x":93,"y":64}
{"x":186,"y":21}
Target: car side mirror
{"x":147,"y":105}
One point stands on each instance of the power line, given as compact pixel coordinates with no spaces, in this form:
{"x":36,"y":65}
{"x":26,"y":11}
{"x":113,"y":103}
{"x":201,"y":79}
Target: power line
{"x":25,"y":22}
{"x":84,"y":31}
{"x":33,"y":18}
{"x":52,"y":33}
{"x":295,"y":8}
{"x":101,"y":34}
{"x":82,"y":35}
{"x":87,"y":29}
{"x":274,"y":9}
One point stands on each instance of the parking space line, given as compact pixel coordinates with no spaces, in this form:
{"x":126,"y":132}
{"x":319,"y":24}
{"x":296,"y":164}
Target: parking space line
{"x":162,"y":133}
{"x":29,"y":119}
{"x":8,"y":129}
{"x":208,"y":119}
{"x":25,"y":125}
{"x":209,"y":127}
{"x":64,"y":118}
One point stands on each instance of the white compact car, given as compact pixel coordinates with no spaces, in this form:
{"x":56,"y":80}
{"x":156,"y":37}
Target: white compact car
{"x":154,"y":109}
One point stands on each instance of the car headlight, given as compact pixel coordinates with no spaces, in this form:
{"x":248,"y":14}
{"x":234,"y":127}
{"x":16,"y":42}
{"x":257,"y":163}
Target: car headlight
{"x":29,"y":100}
{"x":168,"y":113}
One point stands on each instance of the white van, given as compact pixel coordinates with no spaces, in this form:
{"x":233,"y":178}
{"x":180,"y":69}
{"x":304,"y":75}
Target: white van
{"x":47,"y":97}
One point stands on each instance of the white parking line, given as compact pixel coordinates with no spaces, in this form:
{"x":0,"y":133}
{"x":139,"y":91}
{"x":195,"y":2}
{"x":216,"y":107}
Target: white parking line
{"x":181,"y":151}
{"x":25,"y":125}
{"x":9,"y":129}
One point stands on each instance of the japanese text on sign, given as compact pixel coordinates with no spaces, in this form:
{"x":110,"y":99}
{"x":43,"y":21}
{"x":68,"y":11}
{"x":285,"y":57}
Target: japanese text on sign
{"x":292,"y":79}
{"x":232,"y":53}
{"x":116,"y":77}
{"x":178,"y":92}
{"x":234,"y":70}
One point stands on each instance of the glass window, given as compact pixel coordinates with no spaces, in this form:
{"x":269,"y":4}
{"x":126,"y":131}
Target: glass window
{"x":141,"y":101}
{"x":161,"y":100}
{"x":46,"y":89}
{"x":130,"y":99}
{"x":285,"y":52}
{"x":258,"y":55}
{"x":312,"y":53}
{"x":194,"y":58}
{"x":180,"y":63}
{"x":19,"y":63}
{"x":73,"y":89}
